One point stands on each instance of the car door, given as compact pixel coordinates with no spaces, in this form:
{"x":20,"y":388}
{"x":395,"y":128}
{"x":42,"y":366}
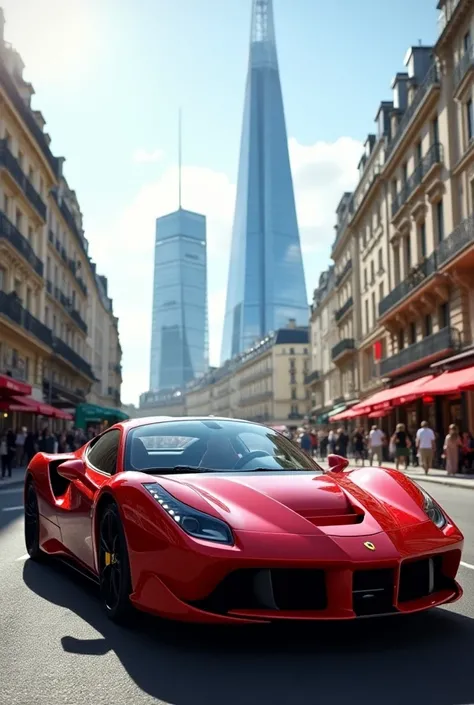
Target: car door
{"x":75,"y":518}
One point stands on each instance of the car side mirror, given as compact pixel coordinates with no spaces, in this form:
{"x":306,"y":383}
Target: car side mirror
{"x":72,"y":470}
{"x":337,"y":463}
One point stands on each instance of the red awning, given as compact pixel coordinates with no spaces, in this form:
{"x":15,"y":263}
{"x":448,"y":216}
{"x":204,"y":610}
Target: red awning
{"x":28,"y":405}
{"x":451,"y":382}
{"x":10,"y":386}
{"x":60,"y":414}
{"x":403,"y":394}
{"x":347,"y":414}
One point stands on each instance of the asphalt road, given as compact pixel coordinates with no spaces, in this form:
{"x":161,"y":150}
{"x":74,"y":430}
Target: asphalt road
{"x":56,"y":646}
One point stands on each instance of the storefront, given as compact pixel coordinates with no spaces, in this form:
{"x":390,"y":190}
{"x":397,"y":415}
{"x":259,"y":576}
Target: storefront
{"x":98,"y":416}
{"x":18,"y":409}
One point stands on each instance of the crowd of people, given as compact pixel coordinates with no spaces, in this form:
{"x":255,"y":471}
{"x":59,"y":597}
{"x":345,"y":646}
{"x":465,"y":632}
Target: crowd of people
{"x":426,"y":448}
{"x":18,"y":447}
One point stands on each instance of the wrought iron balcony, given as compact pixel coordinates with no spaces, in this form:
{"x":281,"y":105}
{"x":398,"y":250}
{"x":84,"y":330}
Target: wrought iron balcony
{"x":431,"y":79}
{"x":27,"y":116}
{"x":461,"y":237}
{"x":78,"y":320}
{"x":433,"y":156}
{"x":345,"y":345}
{"x":312,"y":377}
{"x":340,"y":313}
{"x":346,"y":269}
{"x":66,"y":352}
{"x":11,"y":307}
{"x":11,"y":164}
{"x":444,"y":340}
{"x":20,"y":243}
{"x":417,"y":276}
{"x":465,"y":63}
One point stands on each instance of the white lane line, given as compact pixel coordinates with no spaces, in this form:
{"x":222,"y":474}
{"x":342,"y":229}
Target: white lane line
{"x":13,"y":490}
{"x":12,"y":509}
{"x":22,"y":558}
{"x":467,"y":565}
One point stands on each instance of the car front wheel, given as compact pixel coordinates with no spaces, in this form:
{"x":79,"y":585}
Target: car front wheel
{"x":114,"y":566}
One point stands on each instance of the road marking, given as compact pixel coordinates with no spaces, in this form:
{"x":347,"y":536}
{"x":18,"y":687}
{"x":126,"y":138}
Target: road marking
{"x":467,"y":565}
{"x":12,"y":490}
{"x":22,"y":558}
{"x":13,"y":509}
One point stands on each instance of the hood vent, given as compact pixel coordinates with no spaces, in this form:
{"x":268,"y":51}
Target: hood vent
{"x":352,"y":515}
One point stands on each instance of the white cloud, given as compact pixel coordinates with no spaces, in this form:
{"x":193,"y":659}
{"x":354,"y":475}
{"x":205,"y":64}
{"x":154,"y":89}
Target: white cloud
{"x":143,"y":156}
{"x":321,"y":172}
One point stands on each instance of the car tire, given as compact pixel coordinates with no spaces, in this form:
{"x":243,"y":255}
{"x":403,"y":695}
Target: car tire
{"x":114,"y":566}
{"x":32,"y":524}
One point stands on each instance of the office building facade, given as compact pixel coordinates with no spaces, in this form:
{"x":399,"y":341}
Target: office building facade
{"x":266,"y":285}
{"x":179,"y":344}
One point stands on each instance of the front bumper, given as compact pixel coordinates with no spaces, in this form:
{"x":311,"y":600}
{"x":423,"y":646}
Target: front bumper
{"x":282,"y":577}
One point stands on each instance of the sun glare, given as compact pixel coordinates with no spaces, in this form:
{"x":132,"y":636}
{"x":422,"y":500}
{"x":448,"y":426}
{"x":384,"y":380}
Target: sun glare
{"x":56,"y":38}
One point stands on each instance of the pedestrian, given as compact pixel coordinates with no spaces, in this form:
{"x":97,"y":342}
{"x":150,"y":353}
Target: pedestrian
{"x":6,"y":456}
{"x":342,"y":441}
{"x":376,"y":441}
{"x":426,"y":446}
{"x":358,"y":445}
{"x":452,"y":447}
{"x":402,"y":445}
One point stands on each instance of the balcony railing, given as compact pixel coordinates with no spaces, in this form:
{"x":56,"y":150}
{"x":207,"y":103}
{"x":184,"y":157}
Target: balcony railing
{"x":345,"y":270}
{"x":417,"y":276}
{"x":27,"y":116}
{"x":340,"y":313}
{"x":431,"y":79}
{"x":312,"y":377}
{"x":342,"y":346}
{"x":20,"y":243}
{"x":256,"y":397}
{"x":78,"y":320}
{"x":62,"y":349}
{"x":461,"y":237}
{"x":443,"y":340}
{"x":13,"y":167}
{"x":465,"y":63}
{"x":433,"y":156}
{"x":10,"y":306}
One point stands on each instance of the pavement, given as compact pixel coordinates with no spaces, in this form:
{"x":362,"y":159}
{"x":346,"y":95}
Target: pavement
{"x":59,"y":648}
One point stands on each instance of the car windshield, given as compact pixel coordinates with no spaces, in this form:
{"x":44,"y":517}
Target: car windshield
{"x":212,"y":444}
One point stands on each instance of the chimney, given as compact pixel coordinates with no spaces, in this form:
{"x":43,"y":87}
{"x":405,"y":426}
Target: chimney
{"x":292,"y":323}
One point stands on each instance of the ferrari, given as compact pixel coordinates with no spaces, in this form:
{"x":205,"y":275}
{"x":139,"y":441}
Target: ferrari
{"x":218,"y":520}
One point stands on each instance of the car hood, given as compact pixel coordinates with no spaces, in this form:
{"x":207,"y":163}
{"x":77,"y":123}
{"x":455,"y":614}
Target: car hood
{"x":361,"y":502}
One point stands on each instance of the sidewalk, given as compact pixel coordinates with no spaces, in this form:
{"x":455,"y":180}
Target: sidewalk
{"x":437,"y":476}
{"x":18,"y":475}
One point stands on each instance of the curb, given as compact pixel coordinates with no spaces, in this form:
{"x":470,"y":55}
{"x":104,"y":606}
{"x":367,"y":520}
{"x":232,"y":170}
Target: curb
{"x":461,"y":484}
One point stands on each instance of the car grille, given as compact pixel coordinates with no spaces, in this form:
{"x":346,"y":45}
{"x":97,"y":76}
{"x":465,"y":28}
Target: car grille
{"x":372,"y":592}
{"x":277,"y":589}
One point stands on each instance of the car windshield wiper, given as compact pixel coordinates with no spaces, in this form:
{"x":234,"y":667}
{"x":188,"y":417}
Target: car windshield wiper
{"x":178,"y":469}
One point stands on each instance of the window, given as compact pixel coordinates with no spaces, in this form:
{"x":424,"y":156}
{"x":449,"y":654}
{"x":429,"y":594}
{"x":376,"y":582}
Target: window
{"x":443,"y":315}
{"x":408,"y":254}
{"x":412,"y":331}
{"x":367,"y":324}
{"x":428,"y":325}
{"x":435,"y":131}
{"x":19,"y":219}
{"x":381,"y":291}
{"x":419,"y":154}
{"x":3,"y":276}
{"x":6,"y":204}
{"x":440,"y":220}
{"x":103,"y":453}
{"x":469,"y":120}
{"x":374,"y":310}
{"x":401,"y":339}
{"x":372,"y":272}
{"x":422,"y":242}
{"x":380,"y":261}
{"x":293,"y":393}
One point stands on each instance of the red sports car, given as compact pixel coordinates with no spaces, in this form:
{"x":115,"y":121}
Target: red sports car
{"x":225,"y":521}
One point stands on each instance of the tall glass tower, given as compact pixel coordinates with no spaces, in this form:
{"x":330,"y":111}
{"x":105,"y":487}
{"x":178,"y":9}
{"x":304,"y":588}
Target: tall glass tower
{"x":266,"y":285}
{"x":179,"y":340}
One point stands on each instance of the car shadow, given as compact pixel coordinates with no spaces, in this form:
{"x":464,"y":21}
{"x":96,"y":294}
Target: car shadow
{"x":418,"y":659}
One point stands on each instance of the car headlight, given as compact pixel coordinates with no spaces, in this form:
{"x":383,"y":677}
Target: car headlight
{"x":193,"y":522}
{"x":433,"y":510}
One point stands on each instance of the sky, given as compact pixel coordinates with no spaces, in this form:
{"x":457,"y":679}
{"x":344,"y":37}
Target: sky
{"x":110,"y":77}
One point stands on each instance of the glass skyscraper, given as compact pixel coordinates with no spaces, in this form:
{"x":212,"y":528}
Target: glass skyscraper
{"x":179,"y":341}
{"x":266,"y":285}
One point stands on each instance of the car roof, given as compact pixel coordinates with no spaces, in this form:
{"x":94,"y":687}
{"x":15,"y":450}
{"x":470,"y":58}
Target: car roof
{"x":144,"y":421}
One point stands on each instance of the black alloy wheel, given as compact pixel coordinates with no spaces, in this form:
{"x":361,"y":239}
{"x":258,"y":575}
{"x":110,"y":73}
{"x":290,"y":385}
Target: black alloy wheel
{"x":114,"y":566}
{"x":32,"y":524}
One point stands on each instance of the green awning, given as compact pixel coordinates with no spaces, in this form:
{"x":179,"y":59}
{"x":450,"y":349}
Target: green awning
{"x":337,"y":410}
{"x":92,"y":413}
